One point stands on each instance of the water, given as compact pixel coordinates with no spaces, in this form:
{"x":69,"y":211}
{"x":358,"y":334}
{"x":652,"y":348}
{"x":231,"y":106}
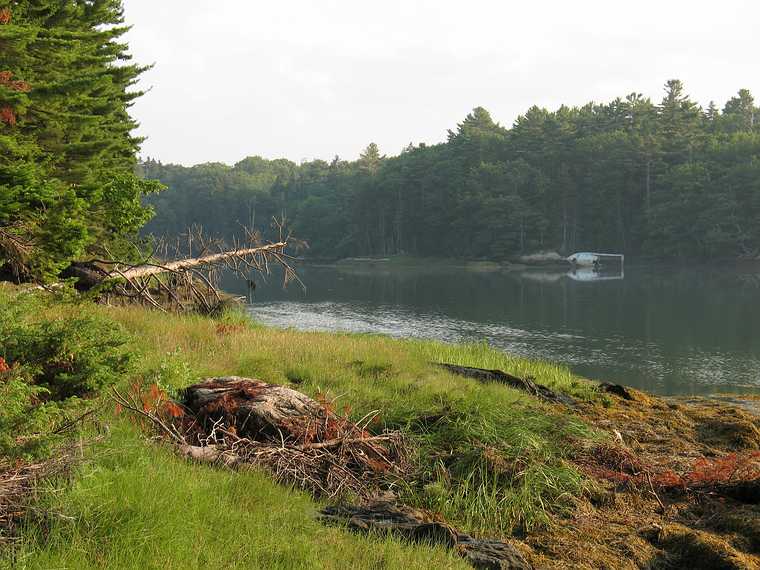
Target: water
{"x":663,"y":329}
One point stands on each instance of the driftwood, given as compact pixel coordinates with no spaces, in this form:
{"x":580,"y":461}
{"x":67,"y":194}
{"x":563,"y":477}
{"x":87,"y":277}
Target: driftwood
{"x":419,"y":526}
{"x":501,"y":377}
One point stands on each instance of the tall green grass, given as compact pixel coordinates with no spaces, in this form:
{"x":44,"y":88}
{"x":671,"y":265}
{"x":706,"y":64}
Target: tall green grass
{"x":136,"y":506}
{"x":489,"y":458}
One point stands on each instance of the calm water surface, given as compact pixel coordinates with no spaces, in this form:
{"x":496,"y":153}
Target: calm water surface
{"x":664,"y":329}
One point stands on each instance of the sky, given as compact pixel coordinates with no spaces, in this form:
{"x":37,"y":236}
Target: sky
{"x":305,"y":79}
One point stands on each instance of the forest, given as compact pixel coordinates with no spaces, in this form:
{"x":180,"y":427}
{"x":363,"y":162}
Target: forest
{"x":662,"y":180}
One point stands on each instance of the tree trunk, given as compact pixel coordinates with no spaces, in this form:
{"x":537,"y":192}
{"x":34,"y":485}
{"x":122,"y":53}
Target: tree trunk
{"x":148,"y":269}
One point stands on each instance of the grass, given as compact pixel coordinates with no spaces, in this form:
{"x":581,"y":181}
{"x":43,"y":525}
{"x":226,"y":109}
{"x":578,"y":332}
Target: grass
{"x":137,"y":506}
{"x":490,"y":459}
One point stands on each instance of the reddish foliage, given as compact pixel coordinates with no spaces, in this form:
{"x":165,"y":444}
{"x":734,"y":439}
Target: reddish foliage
{"x":223,"y":329}
{"x":173,"y":410}
{"x":668,"y":479}
{"x":4,"y":365}
{"x":622,"y":467}
{"x":5,"y":16}
{"x":6,"y":79}
{"x":743,"y":466}
{"x":7,"y":116}
{"x":720,"y":470}
{"x":154,"y":400}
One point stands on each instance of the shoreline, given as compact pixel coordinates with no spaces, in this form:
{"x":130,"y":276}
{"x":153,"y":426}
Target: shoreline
{"x":510,"y":264}
{"x":617,"y":478}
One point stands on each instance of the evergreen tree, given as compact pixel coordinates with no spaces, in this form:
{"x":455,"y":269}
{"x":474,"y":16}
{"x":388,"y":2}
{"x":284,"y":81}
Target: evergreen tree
{"x":67,"y":182}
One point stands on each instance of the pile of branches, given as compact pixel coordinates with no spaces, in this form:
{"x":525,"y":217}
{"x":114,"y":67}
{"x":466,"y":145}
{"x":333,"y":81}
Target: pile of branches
{"x":18,"y":482}
{"x":183,"y":275}
{"x":238,"y":422}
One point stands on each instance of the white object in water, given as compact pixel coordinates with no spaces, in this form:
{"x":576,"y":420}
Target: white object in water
{"x":588,"y":259}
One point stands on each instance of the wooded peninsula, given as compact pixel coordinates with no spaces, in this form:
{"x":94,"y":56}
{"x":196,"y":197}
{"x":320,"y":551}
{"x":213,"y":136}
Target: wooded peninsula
{"x":664,"y":179}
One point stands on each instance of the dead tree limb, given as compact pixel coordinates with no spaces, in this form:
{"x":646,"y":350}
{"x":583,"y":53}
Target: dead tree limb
{"x":148,"y":269}
{"x":185,"y":277}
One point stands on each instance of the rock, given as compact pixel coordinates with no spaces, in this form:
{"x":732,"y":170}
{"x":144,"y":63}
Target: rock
{"x":616,"y":389}
{"x":524,"y":384}
{"x":419,"y":526}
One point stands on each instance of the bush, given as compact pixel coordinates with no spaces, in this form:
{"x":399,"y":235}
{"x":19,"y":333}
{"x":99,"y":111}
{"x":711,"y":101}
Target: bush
{"x":22,"y":418}
{"x":64,"y":357}
{"x":47,"y":365}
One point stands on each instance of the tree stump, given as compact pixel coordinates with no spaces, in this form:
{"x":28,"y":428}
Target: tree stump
{"x":254,"y":409}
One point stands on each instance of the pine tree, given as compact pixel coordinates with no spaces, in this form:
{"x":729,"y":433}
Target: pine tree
{"x":370,"y":159}
{"x":740,"y":113}
{"x":68,"y":157}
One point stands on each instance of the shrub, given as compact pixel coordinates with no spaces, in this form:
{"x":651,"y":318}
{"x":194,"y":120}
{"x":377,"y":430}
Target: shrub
{"x":66,"y":356}
{"x":21,"y":416}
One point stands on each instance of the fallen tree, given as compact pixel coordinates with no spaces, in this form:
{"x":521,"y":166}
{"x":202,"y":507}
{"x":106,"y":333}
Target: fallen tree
{"x":183,"y":277}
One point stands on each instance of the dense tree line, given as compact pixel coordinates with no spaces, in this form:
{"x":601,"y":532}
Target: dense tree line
{"x":666,"y":179}
{"x":67,"y":156}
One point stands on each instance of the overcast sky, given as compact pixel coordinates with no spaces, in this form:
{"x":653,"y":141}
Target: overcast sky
{"x":311,"y":79}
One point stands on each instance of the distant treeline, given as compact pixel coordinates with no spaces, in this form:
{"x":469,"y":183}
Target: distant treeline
{"x":633,"y":176}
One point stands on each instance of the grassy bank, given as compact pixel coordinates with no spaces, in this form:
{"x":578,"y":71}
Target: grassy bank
{"x":617,"y":481}
{"x":135,"y":504}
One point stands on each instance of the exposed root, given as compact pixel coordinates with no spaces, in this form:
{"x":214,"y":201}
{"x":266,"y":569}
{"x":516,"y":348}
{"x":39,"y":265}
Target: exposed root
{"x":417,"y":525}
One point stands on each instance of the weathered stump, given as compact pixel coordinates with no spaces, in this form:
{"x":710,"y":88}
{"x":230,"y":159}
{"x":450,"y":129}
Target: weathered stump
{"x":255,"y":409}
{"x":236,"y":421}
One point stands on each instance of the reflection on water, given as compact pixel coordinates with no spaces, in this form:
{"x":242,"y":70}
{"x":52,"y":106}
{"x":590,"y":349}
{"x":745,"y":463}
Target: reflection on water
{"x":668,"y":330}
